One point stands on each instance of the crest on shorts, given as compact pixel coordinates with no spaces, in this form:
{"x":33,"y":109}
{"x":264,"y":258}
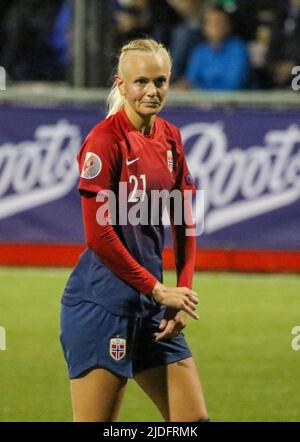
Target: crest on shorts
{"x":117,"y":348}
{"x":92,"y":166}
{"x":170,"y":160}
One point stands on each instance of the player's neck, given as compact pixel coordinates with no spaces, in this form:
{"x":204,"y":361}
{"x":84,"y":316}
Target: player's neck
{"x":143,"y":125}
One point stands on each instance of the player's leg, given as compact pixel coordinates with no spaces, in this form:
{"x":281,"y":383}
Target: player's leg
{"x":97,"y":396}
{"x":96,"y":346}
{"x":176,"y":390}
{"x":153,"y":383}
{"x":186,"y":398}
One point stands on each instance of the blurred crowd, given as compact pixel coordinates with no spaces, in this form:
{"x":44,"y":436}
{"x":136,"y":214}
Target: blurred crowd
{"x":215,"y":44}
{"x":219,"y":44}
{"x":35,"y":39}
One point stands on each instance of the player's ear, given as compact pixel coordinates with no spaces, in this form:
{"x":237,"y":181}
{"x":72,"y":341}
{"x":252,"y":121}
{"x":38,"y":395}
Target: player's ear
{"x":120,"y":83}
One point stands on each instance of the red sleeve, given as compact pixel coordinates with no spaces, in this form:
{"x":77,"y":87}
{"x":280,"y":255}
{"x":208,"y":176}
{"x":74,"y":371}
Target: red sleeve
{"x":183,"y":178}
{"x":99,"y":165}
{"x":104,"y":241}
{"x":184,"y":246}
{"x":185,"y":254}
{"x":99,"y":162}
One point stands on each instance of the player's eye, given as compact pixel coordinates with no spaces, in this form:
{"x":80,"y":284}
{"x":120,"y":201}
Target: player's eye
{"x":160,"y":82}
{"x":141,"y":81}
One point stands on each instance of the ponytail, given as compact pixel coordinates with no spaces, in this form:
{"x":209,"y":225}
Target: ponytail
{"x":115,"y":101}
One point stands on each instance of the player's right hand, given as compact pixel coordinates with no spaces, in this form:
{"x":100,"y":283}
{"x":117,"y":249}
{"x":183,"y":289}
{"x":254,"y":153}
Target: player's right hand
{"x":180,"y":298}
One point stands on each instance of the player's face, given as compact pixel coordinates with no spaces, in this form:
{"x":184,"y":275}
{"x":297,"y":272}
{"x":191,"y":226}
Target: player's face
{"x":145,"y":82}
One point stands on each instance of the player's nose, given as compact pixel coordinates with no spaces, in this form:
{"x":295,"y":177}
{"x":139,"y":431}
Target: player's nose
{"x":151,"y":89}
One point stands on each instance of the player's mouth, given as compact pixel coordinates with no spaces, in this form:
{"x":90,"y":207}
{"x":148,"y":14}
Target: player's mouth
{"x":152,"y":103}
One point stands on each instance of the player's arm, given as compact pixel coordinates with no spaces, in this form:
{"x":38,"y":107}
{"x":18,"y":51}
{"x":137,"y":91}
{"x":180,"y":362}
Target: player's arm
{"x":184,"y":251}
{"x":104,"y":241}
{"x":184,"y":245}
{"x":184,"y":248}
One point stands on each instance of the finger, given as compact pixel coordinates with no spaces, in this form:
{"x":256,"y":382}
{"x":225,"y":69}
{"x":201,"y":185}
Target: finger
{"x":168,"y":326}
{"x":161,"y":336}
{"x":193,"y":298}
{"x":180,"y":325}
{"x":190,"y":312}
{"x":177,"y":330}
{"x":190,"y":304}
{"x":185,"y":302}
{"x":172,"y":332}
{"x":166,"y":333}
{"x":190,"y":292}
{"x":163,"y":324}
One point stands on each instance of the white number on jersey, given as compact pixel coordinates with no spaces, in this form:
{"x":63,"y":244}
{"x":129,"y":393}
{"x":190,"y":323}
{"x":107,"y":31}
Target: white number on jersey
{"x":133,"y":198}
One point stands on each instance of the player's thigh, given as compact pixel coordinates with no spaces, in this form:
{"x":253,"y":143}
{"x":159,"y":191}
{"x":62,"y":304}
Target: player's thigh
{"x":186,"y":398}
{"x":97,"y":396}
{"x":176,"y":390}
{"x":153,"y":382}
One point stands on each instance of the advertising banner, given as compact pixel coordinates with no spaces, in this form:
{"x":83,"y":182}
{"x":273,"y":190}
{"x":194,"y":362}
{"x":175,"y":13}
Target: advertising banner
{"x":247,"y":161}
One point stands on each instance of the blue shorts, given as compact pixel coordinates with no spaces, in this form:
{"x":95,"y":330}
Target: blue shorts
{"x":93,"y":337}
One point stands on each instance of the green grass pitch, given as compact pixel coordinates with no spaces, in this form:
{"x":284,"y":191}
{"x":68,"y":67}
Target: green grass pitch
{"x":242,"y":345}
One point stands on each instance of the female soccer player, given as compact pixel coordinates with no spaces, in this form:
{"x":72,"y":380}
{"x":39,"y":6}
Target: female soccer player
{"x":118,"y":319}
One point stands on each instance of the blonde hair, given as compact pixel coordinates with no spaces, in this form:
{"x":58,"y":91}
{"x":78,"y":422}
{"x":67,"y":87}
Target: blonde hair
{"x":115,"y":100}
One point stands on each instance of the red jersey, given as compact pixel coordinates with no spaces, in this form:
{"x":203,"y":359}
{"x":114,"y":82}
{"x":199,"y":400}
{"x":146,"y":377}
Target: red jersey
{"x":124,"y":151}
{"x":124,"y":267}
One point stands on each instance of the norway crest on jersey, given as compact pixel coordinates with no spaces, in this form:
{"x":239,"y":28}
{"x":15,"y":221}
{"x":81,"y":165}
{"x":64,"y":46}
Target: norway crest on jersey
{"x":117,"y":348}
{"x":170,"y":160}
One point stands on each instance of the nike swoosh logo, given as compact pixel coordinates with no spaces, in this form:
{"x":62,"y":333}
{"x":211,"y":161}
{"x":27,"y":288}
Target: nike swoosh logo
{"x":128,"y":162}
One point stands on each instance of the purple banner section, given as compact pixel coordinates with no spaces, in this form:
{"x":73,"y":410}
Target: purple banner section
{"x":247,"y":161}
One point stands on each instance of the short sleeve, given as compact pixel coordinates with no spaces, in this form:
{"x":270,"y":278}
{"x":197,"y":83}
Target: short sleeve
{"x":183,"y":179}
{"x":98,"y":161}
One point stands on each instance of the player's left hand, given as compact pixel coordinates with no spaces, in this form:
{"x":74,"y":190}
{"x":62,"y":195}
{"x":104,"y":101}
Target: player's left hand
{"x":171,"y":325}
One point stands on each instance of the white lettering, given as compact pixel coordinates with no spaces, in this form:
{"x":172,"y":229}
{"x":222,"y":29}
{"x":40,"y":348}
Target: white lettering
{"x":2,"y":79}
{"x":296,"y":340}
{"x":2,"y":338}
{"x":240,"y":184}
{"x":37,"y":172}
{"x":296,"y":80}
